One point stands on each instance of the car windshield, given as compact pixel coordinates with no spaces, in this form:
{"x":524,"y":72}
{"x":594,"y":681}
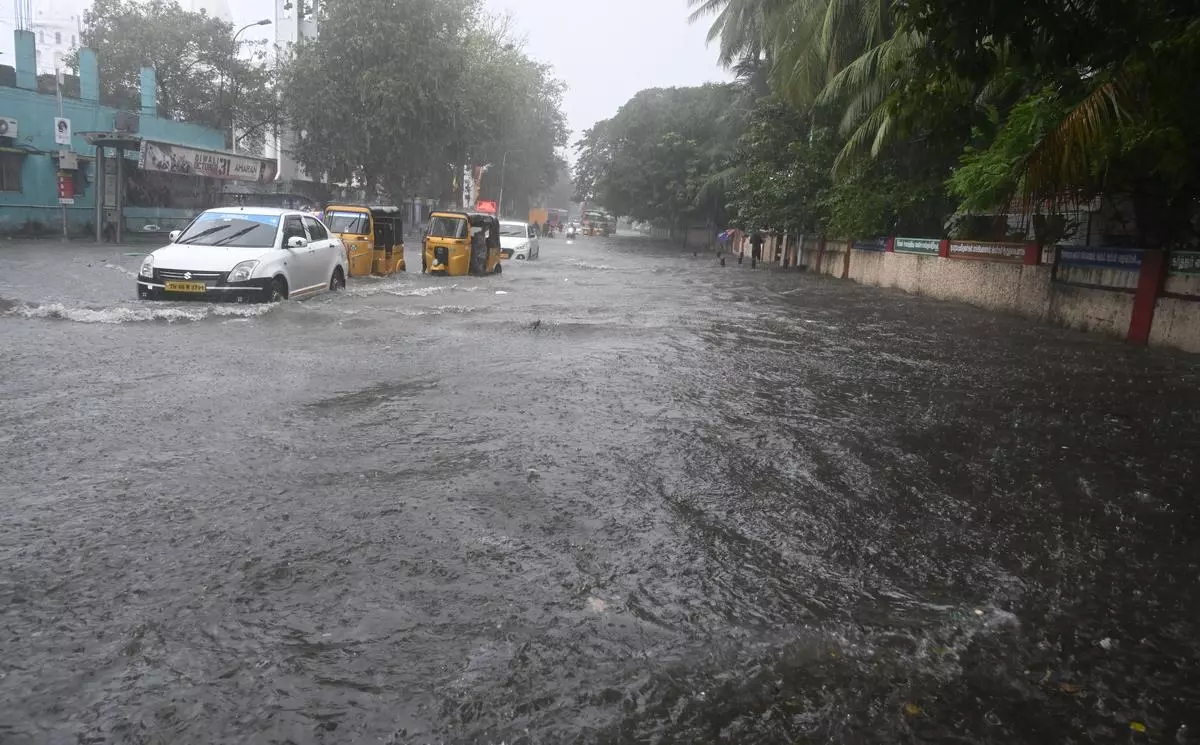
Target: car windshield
{"x":448,"y":227}
{"x":355,"y":223}
{"x":513,"y":230}
{"x":224,"y":228}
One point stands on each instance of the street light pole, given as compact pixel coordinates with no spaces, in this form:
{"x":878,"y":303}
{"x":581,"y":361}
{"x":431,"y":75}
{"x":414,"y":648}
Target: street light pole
{"x":232,"y":124}
{"x":503,"y":168}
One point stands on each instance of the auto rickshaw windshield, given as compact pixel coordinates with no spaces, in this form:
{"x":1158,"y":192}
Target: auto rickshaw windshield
{"x":350,"y":223}
{"x":448,"y":227}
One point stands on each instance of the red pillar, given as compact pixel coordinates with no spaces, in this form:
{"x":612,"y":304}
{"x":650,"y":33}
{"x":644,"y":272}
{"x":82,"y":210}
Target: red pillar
{"x":891,"y":245}
{"x":1150,"y":282}
{"x":1033,"y":254}
{"x":944,"y":248}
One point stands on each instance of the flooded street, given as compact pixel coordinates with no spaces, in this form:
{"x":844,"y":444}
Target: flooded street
{"x":617,"y":494}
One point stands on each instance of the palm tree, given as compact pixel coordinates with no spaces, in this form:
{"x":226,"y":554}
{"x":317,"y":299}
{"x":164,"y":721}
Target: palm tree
{"x":842,"y":53}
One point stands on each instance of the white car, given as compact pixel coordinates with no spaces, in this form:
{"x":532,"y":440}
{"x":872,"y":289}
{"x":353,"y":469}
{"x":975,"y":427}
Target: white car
{"x":245,"y":255}
{"x":518,"y":240}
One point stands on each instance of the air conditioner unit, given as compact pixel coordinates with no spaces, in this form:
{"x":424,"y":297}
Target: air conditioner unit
{"x":8,"y":127}
{"x":127,"y":121}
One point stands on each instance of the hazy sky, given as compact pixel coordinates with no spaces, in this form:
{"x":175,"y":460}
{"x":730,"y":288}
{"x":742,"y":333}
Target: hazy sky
{"x":605,"y":50}
{"x":608,"y":50}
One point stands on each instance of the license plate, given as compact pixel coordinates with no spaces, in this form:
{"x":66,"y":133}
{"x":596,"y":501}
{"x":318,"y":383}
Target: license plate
{"x":185,"y":287}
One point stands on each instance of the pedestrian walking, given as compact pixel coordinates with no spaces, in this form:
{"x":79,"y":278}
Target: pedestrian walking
{"x":756,"y":244}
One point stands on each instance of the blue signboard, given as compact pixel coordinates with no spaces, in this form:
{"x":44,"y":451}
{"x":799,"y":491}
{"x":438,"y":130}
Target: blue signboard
{"x":1101,"y":258}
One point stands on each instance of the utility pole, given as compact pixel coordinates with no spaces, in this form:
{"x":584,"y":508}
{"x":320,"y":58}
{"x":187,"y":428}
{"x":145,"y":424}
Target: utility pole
{"x":58,"y":81}
{"x":233,"y":99}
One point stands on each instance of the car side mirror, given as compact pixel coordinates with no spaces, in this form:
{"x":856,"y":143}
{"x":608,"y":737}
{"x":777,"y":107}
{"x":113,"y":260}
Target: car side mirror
{"x":174,"y":234}
{"x":297,"y":242}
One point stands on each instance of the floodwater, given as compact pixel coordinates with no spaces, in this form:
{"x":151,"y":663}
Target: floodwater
{"x":619,"y":494}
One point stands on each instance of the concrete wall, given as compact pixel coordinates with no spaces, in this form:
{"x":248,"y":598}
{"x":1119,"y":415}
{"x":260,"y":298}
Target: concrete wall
{"x":832,"y":260}
{"x":1176,"y":324}
{"x":1016,"y":288}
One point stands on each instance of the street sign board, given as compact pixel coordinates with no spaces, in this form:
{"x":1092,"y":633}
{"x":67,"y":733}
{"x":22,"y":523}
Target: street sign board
{"x":66,"y":187}
{"x":62,"y":131}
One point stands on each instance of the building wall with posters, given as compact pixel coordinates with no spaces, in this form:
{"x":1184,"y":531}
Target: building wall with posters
{"x":29,"y":154}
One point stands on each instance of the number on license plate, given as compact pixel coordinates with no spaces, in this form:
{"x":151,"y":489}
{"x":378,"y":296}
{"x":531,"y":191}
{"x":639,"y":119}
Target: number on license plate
{"x":185,"y":287}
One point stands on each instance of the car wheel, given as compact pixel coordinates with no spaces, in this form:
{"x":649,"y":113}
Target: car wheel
{"x":337,"y":281}
{"x":499,"y":268}
{"x":278,"y":291}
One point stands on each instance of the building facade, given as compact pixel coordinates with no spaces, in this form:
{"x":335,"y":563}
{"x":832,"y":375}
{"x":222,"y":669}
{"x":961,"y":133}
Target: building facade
{"x":49,"y":172}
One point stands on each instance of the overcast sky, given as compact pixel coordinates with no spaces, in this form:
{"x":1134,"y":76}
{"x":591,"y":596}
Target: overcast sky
{"x":605,"y":50}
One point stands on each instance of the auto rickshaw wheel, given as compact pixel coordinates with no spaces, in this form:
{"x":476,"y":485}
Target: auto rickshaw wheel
{"x":499,"y":268}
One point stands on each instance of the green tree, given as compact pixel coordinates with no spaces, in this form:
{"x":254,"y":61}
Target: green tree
{"x":514,"y":118}
{"x":1105,"y":101}
{"x":424,"y":89}
{"x":378,"y":96}
{"x":657,"y":158}
{"x":202,"y":75}
{"x":785,"y":157}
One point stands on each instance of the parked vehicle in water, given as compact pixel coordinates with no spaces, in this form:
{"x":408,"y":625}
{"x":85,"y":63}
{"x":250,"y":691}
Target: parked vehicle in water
{"x":245,"y":255}
{"x":518,"y":240}
{"x":460,"y":243}
{"x":373,"y":236}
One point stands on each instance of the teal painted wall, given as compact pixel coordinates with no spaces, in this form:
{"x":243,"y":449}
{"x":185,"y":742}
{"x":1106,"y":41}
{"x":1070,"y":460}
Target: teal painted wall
{"x":38,"y":199}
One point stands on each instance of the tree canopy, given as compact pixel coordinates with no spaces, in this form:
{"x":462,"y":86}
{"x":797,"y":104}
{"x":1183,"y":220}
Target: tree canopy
{"x":913,"y":115}
{"x":662,"y":155}
{"x":410,"y":93}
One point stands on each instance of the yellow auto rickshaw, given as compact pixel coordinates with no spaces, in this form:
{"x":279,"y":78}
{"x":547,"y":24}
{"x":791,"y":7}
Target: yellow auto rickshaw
{"x":374,"y":237}
{"x":458,"y":243}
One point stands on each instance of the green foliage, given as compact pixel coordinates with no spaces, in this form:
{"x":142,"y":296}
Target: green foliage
{"x":1046,"y":101}
{"x":1107,"y":103}
{"x":420,"y":90}
{"x":785,"y":161}
{"x":895,"y":195}
{"x":663,"y":156}
{"x":201,"y":76}
{"x":990,"y":175}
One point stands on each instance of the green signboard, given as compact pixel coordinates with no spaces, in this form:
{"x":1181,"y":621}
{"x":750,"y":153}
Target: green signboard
{"x":926,"y":246}
{"x":1185,"y":263}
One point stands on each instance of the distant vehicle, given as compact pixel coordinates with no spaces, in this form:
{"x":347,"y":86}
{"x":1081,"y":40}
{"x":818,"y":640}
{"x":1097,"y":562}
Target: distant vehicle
{"x":572,"y":231}
{"x":518,"y":240}
{"x":550,"y":218}
{"x":245,"y":255}
{"x":598,"y":222}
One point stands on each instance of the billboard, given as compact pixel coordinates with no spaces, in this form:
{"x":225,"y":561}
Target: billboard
{"x":167,"y":158}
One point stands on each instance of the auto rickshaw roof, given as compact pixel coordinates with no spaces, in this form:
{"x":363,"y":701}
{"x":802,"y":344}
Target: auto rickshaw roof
{"x":472,"y":217}
{"x":378,"y":210}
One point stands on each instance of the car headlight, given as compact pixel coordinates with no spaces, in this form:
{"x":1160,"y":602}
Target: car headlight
{"x":242,"y":271}
{"x":147,"y":269}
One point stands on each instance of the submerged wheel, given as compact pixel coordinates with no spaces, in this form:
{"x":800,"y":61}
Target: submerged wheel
{"x":338,"y":280}
{"x":499,"y":268}
{"x":278,"y":291}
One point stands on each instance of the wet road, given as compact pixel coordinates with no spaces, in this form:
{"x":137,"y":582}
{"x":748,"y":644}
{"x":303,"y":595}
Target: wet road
{"x":616,"y":495}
